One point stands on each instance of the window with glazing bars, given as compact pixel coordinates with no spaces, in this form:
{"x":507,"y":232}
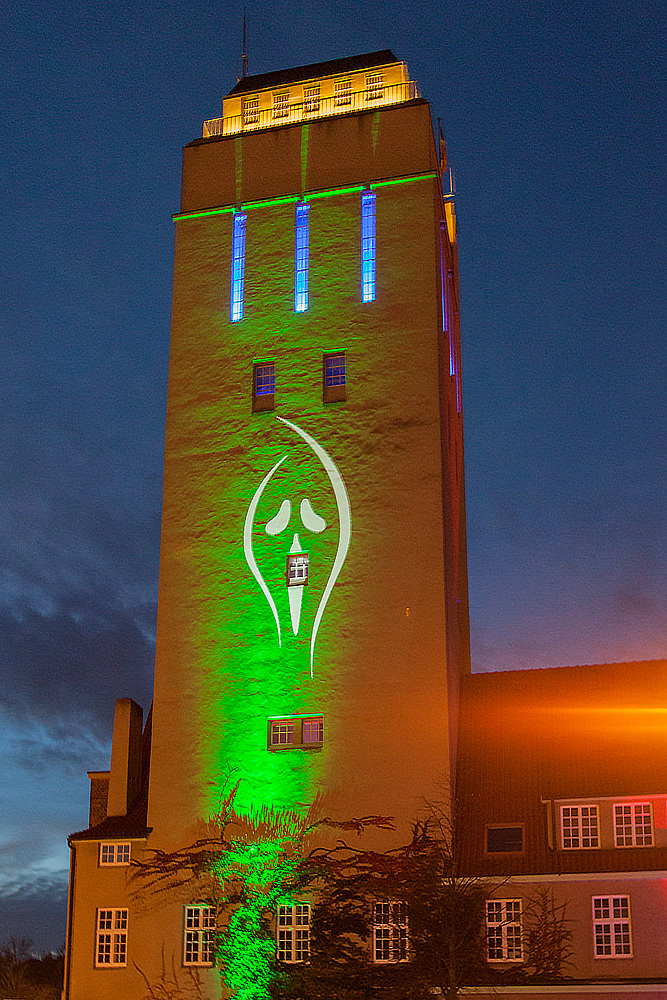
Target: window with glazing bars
{"x":263,"y":386}
{"x":199,"y":925}
{"x":611,"y":927}
{"x":238,"y":267}
{"x":579,"y":825}
{"x":281,"y":105}
{"x":390,"y":932}
{"x":114,"y":854}
{"x":374,"y":88}
{"x":293,"y":933}
{"x":251,"y":111}
{"x":311,"y":100}
{"x":367,"y":246}
{"x":111,"y":938}
{"x":503,"y":930}
{"x":301,"y":242}
{"x":342,"y":93}
{"x":334,"y":377}
{"x":633,"y":825}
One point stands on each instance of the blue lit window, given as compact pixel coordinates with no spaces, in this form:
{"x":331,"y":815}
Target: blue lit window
{"x":264,"y":385}
{"x":368,"y":246}
{"x":302,"y":235}
{"x":238,"y":267}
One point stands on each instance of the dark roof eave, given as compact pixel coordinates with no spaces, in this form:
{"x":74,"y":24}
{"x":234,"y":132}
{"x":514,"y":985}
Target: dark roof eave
{"x":329,"y":68}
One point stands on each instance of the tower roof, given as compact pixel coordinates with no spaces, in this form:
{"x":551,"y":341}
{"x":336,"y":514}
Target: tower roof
{"x":313,"y":70}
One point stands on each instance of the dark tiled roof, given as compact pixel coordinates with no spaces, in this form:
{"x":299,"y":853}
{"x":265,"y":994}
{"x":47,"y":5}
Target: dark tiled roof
{"x":313,"y":70}
{"x":571,"y":732}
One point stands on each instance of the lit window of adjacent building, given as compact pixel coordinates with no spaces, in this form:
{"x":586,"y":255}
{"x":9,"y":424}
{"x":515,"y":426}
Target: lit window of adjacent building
{"x":304,"y":731}
{"x":238,"y":267}
{"x":251,"y":111}
{"x":297,"y":569}
{"x":301,"y":242}
{"x":367,"y":246}
{"x":281,"y":104}
{"x":342,"y":93}
{"x":198,"y":935}
{"x":612,"y":931}
{"x":503,"y":930}
{"x":114,"y":854}
{"x":311,"y":100}
{"x":334,"y":377}
{"x":263,"y":385}
{"x":579,"y":827}
{"x":111,"y":938}
{"x":633,"y":825}
{"x":390,"y":932}
{"x":504,"y":839}
{"x":374,"y":87}
{"x":293,"y":933}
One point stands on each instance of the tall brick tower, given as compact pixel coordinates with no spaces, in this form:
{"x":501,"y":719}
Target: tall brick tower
{"x":312,"y":614}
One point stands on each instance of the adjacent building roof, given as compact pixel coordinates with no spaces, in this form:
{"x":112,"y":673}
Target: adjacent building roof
{"x":313,"y":70}
{"x":532,"y":737}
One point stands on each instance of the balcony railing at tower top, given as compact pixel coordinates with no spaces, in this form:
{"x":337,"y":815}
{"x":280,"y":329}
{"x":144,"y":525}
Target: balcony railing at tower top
{"x":312,"y":106}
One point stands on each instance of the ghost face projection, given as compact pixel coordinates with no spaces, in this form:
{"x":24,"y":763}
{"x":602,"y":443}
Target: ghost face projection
{"x":294,"y":526}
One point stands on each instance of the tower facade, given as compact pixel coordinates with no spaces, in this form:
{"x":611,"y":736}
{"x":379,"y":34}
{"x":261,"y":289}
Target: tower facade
{"x":312,"y":612}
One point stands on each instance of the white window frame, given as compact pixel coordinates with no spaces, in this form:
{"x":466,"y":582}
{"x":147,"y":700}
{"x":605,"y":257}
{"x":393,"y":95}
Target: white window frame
{"x":311,"y":99}
{"x":293,"y":933}
{"x":198,"y":934}
{"x":374,"y":87}
{"x":630,"y":826}
{"x":111,"y":938}
{"x":251,"y":111}
{"x":612,"y":927}
{"x":504,"y":930}
{"x":289,"y":732}
{"x":580,"y":828}
{"x":113,"y":854}
{"x":390,"y":932}
{"x":297,"y":569}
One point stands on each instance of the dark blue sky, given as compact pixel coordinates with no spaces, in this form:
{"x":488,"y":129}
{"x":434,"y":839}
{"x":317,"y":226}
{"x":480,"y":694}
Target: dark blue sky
{"x":554,"y":118}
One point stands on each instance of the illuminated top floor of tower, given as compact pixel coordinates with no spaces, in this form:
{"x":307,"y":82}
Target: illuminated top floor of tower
{"x":318,"y":90}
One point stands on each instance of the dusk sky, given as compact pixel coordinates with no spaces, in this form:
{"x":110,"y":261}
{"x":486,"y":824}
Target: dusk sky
{"x":554,"y":116}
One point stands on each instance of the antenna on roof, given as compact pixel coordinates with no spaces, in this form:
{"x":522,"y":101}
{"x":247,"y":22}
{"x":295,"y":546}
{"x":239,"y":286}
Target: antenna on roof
{"x":244,"y":71}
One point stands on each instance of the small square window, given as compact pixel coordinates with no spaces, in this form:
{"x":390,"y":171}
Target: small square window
{"x":334,"y":377}
{"x":297,"y":569}
{"x":263,"y":386}
{"x":114,"y":854}
{"x":504,"y":839}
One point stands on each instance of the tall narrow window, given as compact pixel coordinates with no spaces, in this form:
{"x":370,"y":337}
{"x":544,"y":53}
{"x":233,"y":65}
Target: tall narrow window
{"x":503,"y":930}
{"x":111,"y":938}
{"x":251,"y":111}
{"x":374,"y":88}
{"x":342,"y":93}
{"x":301,"y":241}
{"x":333,"y":372}
{"x":367,"y":246}
{"x":281,"y":104}
{"x":311,"y":100}
{"x":263,"y":386}
{"x":238,"y":267}
{"x":612,"y":932}
{"x":199,"y":926}
{"x":293,"y":933}
{"x":390,"y":932}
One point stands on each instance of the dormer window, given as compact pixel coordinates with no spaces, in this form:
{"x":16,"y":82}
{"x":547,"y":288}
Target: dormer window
{"x":281,"y":104}
{"x":342,"y":93}
{"x":251,"y":111}
{"x":374,"y":88}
